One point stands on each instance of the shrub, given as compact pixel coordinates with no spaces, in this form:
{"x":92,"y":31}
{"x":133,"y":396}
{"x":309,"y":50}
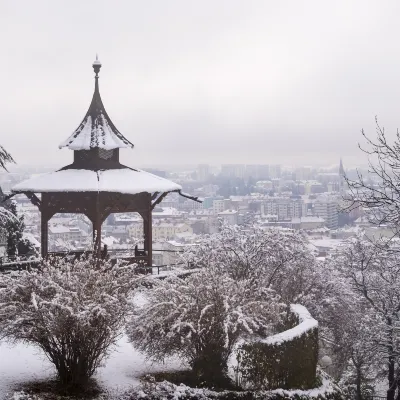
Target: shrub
{"x":74,"y":312}
{"x":200,"y":318}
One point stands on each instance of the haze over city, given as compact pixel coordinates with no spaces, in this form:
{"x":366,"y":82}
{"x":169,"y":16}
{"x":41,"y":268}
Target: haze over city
{"x":193,"y":82}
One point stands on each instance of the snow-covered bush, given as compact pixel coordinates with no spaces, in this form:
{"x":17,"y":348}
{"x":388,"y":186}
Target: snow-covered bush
{"x":201,"y":317}
{"x":74,"y":312}
{"x":270,"y":257}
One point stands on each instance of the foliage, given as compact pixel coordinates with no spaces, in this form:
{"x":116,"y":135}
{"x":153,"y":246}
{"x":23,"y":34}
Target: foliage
{"x":288,"y":362}
{"x":73,"y":312}
{"x":268,"y":257}
{"x":14,"y":228}
{"x":5,"y":215}
{"x":201,"y":317}
{"x":5,"y":158}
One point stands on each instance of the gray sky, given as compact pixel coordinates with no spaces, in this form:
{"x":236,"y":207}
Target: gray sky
{"x":201,"y":81}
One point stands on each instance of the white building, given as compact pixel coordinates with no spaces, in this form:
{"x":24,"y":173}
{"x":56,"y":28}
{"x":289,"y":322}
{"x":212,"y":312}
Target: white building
{"x":161,"y":230}
{"x":203,"y":172}
{"x":65,"y":233}
{"x":327,"y":208}
{"x":229,"y":216}
{"x":218,"y":206}
{"x":233,"y":170}
{"x":308,"y":223}
{"x":284,"y":208}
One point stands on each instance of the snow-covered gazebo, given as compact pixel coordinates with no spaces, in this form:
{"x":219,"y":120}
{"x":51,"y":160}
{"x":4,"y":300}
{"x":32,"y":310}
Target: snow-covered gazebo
{"x":96,"y":183}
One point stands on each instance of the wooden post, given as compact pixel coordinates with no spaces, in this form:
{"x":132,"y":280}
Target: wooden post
{"x":97,"y":222}
{"x":150,"y":236}
{"x":44,"y":234}
{"x":97,"y":238}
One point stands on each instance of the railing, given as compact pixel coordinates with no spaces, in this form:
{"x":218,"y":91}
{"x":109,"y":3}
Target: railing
{"x":22,"y":262}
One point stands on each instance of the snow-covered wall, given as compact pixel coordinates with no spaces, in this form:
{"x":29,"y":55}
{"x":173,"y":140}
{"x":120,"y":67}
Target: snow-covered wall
{"x":287,"y":360}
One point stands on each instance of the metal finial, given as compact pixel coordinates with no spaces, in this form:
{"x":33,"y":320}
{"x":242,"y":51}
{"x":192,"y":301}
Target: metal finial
{"x":96,"y":65}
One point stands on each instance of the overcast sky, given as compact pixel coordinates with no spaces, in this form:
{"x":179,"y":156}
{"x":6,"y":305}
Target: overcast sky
{"x":201,"y":81}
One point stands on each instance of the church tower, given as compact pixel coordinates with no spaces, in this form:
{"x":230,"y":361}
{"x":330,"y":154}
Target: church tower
{"x":341,"y":177}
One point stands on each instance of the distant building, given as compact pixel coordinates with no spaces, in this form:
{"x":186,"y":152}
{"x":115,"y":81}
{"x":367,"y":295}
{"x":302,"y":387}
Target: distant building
{"x":284,"y":208}
{"x":326,"y":207}
{"x":233,"y":170}
{"x":218,"y":206}
{"x":307,"y":223}
{"x":275,"y":171}
{"x":341,"y":177}
{"x":65,"y":233}
{"x":229,"y":216}
{"x":161,"y":230}
{"x":203,"y":172}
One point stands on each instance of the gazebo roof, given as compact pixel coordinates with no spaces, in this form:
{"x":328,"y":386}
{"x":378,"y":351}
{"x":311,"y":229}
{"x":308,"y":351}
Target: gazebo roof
{"x":96,"y":130}
{"x":123,"y":180}
{"x":94,"y":171}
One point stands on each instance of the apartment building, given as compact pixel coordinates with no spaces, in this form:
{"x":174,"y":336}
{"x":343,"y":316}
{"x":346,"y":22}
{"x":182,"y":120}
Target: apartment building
{"x":327,"y":208}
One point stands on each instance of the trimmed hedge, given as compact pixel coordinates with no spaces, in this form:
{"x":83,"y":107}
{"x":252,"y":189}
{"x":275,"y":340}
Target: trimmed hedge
{"x":287,"y":360}
{"x":152,"y":390}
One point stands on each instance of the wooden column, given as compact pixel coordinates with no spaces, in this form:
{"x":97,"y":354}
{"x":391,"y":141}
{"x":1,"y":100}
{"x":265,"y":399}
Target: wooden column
{"x":97,"y":222}
{"x":44,"y":234}
{"x":148,"y":235}
{"x":45,"y":215}
{"x":97,"y":238}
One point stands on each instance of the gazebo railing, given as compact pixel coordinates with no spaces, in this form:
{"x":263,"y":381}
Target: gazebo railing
{"x":127,"y":255}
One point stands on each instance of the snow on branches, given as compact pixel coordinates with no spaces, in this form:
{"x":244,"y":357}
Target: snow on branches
{"x":372,"y":321}
{"x":270,"y":257}
{"x":74,"y":312}
{"x":201,"y":317}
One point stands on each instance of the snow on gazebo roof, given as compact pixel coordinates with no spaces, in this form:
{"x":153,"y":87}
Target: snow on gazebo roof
{"x":122,"y":180}
{"x":96,"y":130}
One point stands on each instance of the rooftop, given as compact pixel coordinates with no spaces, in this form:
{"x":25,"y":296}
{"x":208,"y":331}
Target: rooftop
{"x":124,"y":180}
{"x":96,"y":129}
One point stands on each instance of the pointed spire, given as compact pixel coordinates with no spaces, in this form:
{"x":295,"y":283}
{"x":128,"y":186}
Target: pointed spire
{"x":96,"y":66}
{"x":96,"y":130}
{"x":341,"y":169}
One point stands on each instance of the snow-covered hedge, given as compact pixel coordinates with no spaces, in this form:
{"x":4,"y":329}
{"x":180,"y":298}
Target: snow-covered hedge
{"x":286,"y":360}
{"x":151,"y":390}
{"x":326,"y":390}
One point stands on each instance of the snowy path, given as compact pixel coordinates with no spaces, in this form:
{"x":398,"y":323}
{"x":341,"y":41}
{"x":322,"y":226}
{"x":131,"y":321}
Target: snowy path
{"x":21,"y":363}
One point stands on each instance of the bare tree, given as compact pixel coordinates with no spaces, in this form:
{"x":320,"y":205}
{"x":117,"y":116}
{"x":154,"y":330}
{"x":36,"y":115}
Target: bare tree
{"x":373,"y":273}
{"x":379,"y":192}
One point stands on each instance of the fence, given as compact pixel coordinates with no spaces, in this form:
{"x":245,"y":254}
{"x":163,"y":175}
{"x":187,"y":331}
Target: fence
{"x":15,"y":263}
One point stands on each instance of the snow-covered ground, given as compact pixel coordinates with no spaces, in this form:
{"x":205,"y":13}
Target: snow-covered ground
{"x":20,"y":364}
